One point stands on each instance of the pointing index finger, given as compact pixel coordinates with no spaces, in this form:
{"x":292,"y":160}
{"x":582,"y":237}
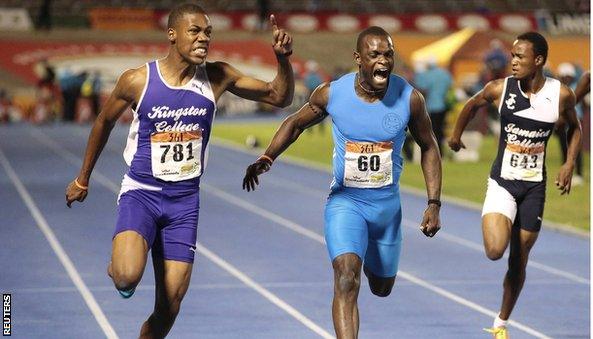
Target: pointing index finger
{"x":273,"y":22}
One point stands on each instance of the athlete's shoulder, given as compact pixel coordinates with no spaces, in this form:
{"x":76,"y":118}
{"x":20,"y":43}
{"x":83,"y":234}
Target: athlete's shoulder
{"x":494,"y":88}
{"x":567,"y":96}
{"x":320,"y":95}
{"x":348,"y":77}
{"x":134,"y":75}
{"x":132,"y":81}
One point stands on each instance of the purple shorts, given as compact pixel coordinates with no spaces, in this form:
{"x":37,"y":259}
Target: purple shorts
{"x":167,"y":220}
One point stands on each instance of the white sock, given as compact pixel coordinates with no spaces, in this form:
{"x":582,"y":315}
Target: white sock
{"x":499,"y":322}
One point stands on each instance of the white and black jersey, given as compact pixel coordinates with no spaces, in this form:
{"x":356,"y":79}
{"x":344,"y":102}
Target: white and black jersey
{"x":517,"y":188}
{"x":527,"y":122}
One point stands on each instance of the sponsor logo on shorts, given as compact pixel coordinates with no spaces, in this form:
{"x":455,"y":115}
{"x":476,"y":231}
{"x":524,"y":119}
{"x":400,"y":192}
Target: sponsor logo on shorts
{"x":193,"y":249}
{"x":6,"y":315}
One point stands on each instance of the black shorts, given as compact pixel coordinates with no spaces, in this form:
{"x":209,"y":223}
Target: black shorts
{"x":521,"y":201}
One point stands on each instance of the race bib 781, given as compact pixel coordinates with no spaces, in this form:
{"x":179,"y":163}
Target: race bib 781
{"x":175,"y":156}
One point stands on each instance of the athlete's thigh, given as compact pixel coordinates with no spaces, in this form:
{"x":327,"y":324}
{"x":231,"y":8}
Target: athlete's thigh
{"x":385,"y":238}
{"x":135,"y":229}
{"x":172,"y":279}
{"x":498,"y":213}
{"x":531,"y":209}
{"x":346,"y":230}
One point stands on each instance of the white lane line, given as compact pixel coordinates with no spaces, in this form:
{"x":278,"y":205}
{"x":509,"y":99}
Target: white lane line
{"x":312,"y":235}
{"x":58,"y":250}
{"x":480,"y":248}
{"x":264,"y":292}
{"x":68,"y":156}
{"x":442,"y":234}
{"x":263,"y":213}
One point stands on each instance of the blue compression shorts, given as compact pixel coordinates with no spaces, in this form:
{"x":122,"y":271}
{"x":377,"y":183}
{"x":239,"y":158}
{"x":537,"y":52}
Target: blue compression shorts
{"x":370,"y":227}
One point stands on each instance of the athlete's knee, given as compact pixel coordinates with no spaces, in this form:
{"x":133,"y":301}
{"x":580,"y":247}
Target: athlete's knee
{"x":347,"y":273}
{"x":125,"y":278}
{"x":347,"y":282}
{"x":494,"y":252}
{"x":169,"y":309}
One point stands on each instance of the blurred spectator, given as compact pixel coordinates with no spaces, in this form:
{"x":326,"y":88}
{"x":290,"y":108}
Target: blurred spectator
{"x":8,"y":111}
{"x":312,"y":6}
{"x":496,"y":59}
{"x":91,"y":89}
{"x":567,"y":74}
{"x":312,"y":76}
{"x":44,"y":20}
{"x":47,"y":100}
{"x":71,"y":85}
{"x":435,"y":83}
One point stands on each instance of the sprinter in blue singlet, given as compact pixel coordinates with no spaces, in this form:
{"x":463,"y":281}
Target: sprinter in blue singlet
{"x":174,"y":102}
{"x":370,"y":110}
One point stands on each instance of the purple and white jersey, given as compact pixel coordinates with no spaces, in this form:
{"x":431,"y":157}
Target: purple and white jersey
{"x":168,"y":140}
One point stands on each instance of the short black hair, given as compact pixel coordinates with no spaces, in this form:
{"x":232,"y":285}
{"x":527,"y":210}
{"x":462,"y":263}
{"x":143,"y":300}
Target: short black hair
{"x":373,"y":30}
{"x":180,"y":10}
{"x":540,"y":45}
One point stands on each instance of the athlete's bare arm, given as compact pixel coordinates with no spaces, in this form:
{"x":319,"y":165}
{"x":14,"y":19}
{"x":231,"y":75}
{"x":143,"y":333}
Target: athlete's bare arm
{"x":313,"y":112}
{"x":568,"y":115}
{"x":278,"y":92}
{"x":490,"y":94}
{"x":127,"y":91}
{"x":421,"y":129}
{"x":583,"y":87}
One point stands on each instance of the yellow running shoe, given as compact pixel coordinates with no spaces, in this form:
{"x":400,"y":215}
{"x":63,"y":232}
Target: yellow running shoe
{"x":498,"y":332}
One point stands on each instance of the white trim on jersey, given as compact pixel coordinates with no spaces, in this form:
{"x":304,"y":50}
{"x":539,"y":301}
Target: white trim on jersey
{"x":129,"y":184}
{"x":132,"y":141}
{"x":504,"y":91}
{"x":521,"y":89}
{"x":210,"y":95}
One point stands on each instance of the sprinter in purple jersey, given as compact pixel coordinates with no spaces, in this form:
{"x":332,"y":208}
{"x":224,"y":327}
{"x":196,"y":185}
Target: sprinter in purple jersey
{"x":174,"y":102}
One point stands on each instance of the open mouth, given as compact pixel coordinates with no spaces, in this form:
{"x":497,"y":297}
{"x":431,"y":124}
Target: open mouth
{"x":200,"y":51}
{"x":381,"y":74}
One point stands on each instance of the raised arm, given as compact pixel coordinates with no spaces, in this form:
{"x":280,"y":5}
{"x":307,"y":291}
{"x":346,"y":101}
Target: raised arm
{"x":280,"y":91}
{"x":313,"y":112}
{"x":421,"y":129}
{"x":488,"y":95}
{"x":127,"y":89}
{"x":583,"y":86}
{"x":569,"y":116}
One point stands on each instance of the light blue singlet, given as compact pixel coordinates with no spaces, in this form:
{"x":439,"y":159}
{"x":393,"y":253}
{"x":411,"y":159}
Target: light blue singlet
{"x":363,"y":211}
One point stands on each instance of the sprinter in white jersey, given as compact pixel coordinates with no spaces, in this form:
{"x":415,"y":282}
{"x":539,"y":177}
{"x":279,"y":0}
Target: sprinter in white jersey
{"x":529,"y":105}
{"x":174,"y":102}
{"x":370,"y":109}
